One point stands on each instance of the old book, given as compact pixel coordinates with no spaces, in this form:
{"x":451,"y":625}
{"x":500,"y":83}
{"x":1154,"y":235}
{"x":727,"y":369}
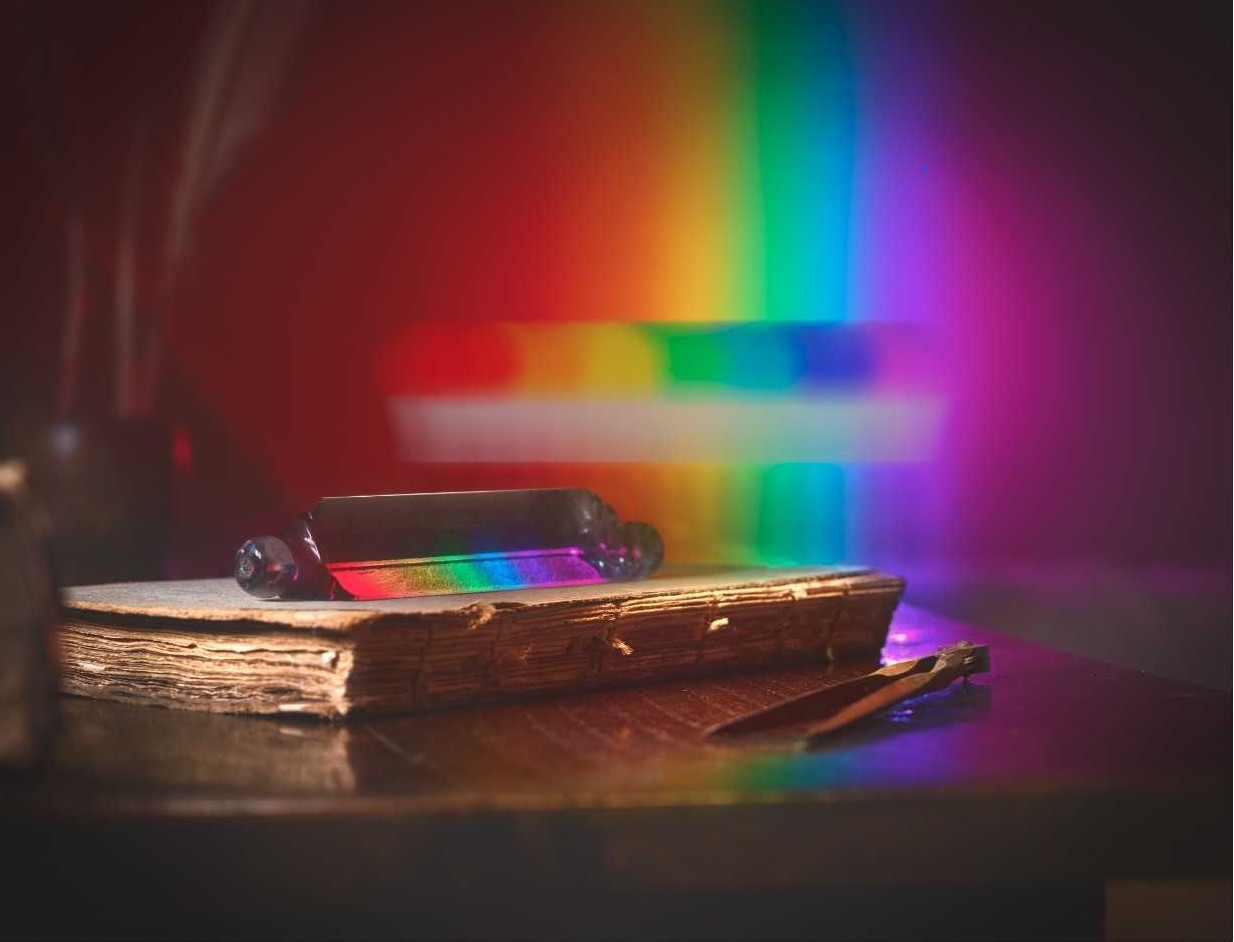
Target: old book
{"x":205,"y":645}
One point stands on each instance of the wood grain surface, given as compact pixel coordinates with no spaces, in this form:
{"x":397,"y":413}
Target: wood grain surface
{"x":993,"y":809}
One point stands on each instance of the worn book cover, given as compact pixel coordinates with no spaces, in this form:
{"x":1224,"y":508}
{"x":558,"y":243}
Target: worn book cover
{"x":205,"y":645}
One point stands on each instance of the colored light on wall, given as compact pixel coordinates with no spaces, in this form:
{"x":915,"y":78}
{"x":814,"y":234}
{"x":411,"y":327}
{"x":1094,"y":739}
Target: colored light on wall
{"x":611,"y":358}
{"x":736,"y":430}
{"x":737,"y":332}
{"x":554,"y":202}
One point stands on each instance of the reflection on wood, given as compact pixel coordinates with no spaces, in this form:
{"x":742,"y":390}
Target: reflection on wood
{"x":136,"y":747}
{"x":589,"y":742}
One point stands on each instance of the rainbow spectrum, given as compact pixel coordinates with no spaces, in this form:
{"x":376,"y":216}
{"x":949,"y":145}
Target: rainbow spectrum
{"x":752,"y":354}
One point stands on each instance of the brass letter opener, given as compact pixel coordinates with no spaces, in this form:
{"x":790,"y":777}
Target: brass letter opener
{"x":818,"y":713}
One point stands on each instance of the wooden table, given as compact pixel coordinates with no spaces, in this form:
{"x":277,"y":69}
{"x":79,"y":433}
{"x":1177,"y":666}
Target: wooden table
{"x":1005,"y":807}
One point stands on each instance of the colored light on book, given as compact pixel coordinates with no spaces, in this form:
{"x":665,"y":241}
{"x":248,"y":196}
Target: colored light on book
{"x":483,"y":573}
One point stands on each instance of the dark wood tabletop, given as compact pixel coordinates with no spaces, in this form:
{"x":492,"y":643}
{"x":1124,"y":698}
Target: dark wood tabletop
{"x":1026,"y":791}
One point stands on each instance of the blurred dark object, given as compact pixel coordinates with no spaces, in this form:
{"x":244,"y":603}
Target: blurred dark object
{"x":134,"y":118}
{"x":107,"y":485}
{"x":29,"y":618}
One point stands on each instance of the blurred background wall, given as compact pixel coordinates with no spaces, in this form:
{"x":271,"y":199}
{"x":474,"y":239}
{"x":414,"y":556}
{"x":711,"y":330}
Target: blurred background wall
{"x":940,"y":287}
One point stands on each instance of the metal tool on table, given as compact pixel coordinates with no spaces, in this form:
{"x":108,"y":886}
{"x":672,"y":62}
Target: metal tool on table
{"x":814,"y":715}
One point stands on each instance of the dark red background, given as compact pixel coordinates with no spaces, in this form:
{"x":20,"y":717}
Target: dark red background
{"x":411,"y":172}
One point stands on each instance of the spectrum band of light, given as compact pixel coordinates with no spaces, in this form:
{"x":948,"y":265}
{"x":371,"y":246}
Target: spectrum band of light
{"x":777,"y":228}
